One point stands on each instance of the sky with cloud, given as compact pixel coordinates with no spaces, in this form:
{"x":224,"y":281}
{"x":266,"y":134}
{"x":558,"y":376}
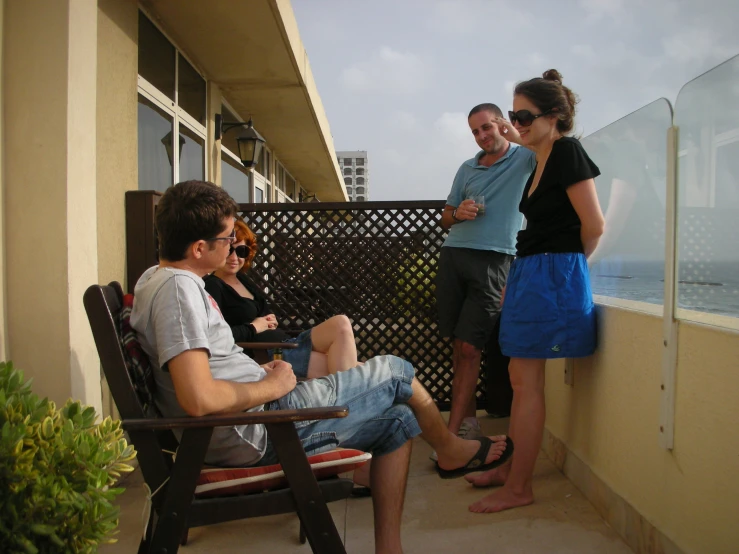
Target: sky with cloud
{"x":397,"y":77}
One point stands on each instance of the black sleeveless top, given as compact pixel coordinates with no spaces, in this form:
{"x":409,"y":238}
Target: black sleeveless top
{"x":239,"y":312}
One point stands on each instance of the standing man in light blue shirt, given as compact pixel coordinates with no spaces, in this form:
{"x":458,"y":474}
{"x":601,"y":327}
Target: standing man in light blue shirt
{"x":476,"y":256}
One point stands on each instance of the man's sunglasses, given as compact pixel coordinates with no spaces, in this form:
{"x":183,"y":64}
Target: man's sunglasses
{"x":524,"y":117}
{"x":242,"y":251}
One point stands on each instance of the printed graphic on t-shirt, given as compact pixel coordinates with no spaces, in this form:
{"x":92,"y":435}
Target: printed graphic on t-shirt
{"x":215,"y":305}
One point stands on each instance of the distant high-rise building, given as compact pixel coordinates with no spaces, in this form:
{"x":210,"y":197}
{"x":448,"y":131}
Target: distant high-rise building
{"x":355,"y":168}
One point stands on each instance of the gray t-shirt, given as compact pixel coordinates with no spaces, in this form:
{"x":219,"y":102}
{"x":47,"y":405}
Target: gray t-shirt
{"x":172,"y":313}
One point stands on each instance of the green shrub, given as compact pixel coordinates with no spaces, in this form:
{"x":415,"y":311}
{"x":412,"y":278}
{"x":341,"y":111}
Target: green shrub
{"x":57,"y":468}
{"x":415,"y":288}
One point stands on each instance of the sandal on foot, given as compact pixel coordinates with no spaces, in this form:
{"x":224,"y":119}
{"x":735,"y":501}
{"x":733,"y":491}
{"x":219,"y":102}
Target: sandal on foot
{"x":477,"y":462}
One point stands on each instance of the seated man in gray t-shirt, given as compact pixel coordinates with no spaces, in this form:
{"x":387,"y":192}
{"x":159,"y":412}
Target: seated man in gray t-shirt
{"x":199,"y":370}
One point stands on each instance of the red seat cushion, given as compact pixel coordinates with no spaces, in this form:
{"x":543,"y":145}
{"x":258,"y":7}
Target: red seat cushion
{"x":244,"y":480}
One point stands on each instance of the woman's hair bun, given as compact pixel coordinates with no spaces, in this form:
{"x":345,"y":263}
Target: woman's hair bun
{"x":552,"y":75}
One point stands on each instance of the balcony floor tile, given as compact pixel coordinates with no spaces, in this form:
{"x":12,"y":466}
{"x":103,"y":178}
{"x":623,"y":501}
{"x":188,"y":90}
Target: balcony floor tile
{"x":435,"y":519}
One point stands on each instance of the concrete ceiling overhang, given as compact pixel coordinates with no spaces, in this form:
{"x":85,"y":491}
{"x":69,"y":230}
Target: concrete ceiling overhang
{"x":253,"y":52}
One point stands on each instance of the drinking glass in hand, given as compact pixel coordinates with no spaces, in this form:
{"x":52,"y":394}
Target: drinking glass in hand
{"x":479,"y":203}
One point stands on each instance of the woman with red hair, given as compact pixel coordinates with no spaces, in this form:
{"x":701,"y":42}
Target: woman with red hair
{"x":326,"y":348}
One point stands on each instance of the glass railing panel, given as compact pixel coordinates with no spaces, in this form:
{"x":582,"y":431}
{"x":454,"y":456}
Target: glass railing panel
{"x":707,"y":117}
{"x":631,"y":154}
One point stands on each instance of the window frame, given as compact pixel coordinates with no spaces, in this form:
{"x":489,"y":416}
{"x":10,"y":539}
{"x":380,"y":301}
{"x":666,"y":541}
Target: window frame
{"x":172,"y":108}
{"x":250,"y":174}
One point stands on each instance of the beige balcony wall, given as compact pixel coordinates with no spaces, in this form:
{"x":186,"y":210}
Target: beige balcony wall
{"x":3,"y":317}
{"x":49,"y":76}
{"x":609,"y":420}
{"x":117,"y":154}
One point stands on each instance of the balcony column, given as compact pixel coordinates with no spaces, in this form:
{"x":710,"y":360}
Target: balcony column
{"x":213,"y":147}
{"x":49,"y":80}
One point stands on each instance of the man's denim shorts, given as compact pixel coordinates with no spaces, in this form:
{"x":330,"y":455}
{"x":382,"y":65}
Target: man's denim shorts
{"x":379,"y":419}
{"x":548,"y":310}
{"x":298,"y":357}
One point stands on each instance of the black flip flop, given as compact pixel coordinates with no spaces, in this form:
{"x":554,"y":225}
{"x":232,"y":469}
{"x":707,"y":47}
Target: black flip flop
{"x":477,"y":462}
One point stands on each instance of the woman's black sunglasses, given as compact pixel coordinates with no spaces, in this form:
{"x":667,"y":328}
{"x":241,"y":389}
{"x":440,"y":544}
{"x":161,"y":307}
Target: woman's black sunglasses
{"x":524,"y":117}
{"x":242,"y":251}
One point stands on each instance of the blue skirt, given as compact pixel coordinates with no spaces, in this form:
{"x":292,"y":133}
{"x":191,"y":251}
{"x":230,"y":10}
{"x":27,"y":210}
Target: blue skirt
{"x":548,"y":310}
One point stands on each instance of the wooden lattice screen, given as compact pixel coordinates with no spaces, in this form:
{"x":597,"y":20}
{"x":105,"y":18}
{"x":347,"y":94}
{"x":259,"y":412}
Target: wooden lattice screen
{"x":374,"y":262}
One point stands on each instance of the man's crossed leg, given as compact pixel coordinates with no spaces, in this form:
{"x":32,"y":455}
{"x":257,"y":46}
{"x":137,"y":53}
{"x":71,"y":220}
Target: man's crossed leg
{"x":388,"y":406}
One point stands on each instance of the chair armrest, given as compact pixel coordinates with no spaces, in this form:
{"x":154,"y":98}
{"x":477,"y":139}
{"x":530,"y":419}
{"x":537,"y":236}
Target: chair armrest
{"x":266,"y":345}
{"x":238,"y":418}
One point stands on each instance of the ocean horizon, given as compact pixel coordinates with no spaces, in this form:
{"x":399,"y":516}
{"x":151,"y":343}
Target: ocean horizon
{"x":711,"y":287}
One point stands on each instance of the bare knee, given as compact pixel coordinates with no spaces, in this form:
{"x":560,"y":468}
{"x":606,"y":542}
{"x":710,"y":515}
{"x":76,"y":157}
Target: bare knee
{"x":334,"y":333}
{"x":344,"y":325}
{"x":341,"y":326}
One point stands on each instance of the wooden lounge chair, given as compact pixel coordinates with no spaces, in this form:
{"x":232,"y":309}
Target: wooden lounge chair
{"x":175,"y":504}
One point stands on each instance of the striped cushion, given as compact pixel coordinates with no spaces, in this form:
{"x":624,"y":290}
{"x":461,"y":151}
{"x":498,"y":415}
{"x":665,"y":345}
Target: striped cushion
{"x":244,"y":480}
{"x":137,"y":361}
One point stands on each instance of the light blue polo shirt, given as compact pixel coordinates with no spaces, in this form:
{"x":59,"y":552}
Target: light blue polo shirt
{"x":502,"y":185}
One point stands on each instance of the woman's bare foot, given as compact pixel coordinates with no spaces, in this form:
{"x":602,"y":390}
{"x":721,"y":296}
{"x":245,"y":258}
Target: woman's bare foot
{"x":492,"y":478}
{"x":463,"y":450}
{"x":502,"y":499}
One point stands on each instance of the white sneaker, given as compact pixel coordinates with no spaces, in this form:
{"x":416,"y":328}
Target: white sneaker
{"x":467,"y":431}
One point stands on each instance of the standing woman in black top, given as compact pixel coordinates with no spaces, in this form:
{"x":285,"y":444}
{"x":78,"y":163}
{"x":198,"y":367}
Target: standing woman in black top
{"x":548,"y":309}
{"x":326,"y":348}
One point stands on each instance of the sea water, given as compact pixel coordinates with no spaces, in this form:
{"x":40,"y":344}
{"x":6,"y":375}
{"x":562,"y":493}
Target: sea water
{"x":711,"y":287}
